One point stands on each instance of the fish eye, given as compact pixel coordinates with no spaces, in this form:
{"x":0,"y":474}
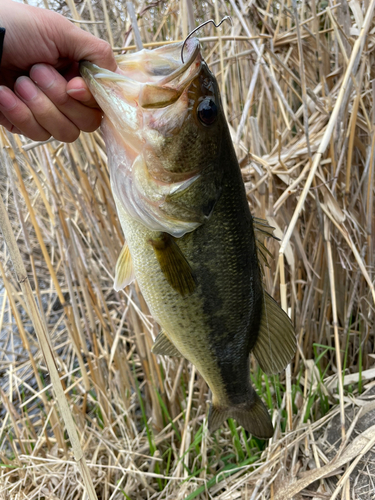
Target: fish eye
{"x":207,"y":111}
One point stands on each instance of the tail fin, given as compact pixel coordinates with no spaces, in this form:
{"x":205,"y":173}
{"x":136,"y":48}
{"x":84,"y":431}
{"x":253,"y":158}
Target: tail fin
{"x":252,"y":415}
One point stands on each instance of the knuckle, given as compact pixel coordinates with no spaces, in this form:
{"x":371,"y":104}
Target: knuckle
{"x":106,"y":49}
{"x":55,"y":99}
{"x":42,"y":114}
{"x":22,"y":120}
{"x":60,"y":98}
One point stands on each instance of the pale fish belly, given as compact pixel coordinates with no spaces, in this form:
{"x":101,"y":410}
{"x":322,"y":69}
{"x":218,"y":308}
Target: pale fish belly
{"x":183,"y":318}
{"x":189,"y":322}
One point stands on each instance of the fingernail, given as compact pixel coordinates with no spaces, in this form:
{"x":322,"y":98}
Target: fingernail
{"x":25,"y":88}
{"x":7,"y":99}
{"x":75,"y":92}
{"x":80,"y":94}
{"x":44,"y":76}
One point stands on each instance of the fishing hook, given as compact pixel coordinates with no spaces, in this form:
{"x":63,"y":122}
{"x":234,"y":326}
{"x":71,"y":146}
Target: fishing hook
{"x":198,"y":28}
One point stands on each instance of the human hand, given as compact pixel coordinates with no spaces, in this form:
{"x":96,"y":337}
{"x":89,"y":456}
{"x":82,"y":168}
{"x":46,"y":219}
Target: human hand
{"x":41,"y":93}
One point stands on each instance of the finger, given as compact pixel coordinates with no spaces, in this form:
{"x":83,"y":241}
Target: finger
{"x":9,"y":126}
{"x":45,"y":111}
{"x":20,"y":116}
{"x":54,"y":86}
{"x":78,"y":89}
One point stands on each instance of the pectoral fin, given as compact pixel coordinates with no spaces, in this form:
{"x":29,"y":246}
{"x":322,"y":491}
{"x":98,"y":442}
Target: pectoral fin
{"x":173,"y":264}
{"x":124,"y":270}
{"x":276,"y":342}
{"x":164,"y":346}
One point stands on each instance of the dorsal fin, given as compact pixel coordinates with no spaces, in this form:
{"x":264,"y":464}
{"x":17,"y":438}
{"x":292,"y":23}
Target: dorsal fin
{"x":263,"y":230}
{"x":262,"y":226}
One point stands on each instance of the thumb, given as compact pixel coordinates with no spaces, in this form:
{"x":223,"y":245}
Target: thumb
{"x":77,"y":45}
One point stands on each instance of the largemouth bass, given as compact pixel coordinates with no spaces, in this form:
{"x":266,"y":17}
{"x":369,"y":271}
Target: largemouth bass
{"x":189,"y":232}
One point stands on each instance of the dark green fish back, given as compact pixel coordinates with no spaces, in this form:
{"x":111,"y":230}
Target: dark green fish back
{"x":224,"y":260}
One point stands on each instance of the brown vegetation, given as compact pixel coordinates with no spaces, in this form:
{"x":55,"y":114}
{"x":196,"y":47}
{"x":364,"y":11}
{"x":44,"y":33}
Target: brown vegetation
{"x":297,"y":87}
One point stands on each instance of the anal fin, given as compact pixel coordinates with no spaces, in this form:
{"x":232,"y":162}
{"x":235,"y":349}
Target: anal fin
{"x":276,"y":343}
{"x":173,"y":264}
{"x":164,"y":346}
{"x":124,"y":269}
{"x":252,"y":415}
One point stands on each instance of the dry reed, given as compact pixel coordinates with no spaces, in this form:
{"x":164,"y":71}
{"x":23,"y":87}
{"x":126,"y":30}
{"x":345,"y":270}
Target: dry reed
{"x":296,"y":82}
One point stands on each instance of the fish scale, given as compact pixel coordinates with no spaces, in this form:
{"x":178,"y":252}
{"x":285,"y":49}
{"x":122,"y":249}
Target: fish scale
{"x":192,"y":248}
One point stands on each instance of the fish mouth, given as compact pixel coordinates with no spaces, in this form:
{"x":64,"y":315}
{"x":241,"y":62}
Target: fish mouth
{"x":153,"y":78}
{"x":162,"y":65}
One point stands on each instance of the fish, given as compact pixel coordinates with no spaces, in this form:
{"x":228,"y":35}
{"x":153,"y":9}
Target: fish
{"x":190,"y":237}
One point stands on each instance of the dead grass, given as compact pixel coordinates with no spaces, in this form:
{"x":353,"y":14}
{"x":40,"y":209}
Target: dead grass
{"x":297,"y":87}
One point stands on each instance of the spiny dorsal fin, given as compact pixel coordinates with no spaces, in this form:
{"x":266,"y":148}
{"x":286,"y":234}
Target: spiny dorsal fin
{"x":164,"y":346}
{"x":262,"y":226}
{"x":173,"y":264}
{"x":263,"y":230}
{"x":276,"y":343}
{"x":124,"y":269}
{"x":262,"y":252}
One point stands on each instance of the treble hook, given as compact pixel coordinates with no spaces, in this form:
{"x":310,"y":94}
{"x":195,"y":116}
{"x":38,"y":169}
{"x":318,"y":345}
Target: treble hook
{"x":198,"y":28}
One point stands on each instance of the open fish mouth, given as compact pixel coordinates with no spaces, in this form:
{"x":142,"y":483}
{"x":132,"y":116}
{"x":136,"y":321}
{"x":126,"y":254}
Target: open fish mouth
{"x":162,"y":65}
{"x":148,"y":105}
{"x":148,"y":78}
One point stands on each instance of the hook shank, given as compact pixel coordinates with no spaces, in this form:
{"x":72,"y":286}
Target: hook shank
{"x":198,"y":28}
